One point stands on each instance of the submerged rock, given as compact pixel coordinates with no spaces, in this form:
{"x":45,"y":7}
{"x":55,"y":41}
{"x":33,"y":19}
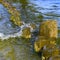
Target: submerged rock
{"x":49,"y":29}
{"x":38,"y":44}
{"x":26,"y":33}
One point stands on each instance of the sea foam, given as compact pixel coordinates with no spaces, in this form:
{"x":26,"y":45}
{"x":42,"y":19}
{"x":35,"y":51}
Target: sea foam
{"x":18,"y":34}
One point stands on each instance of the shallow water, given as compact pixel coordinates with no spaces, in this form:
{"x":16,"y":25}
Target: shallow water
{"x":23,"y":50}
{"x":49,"y":9}
{"x":6,"y":27}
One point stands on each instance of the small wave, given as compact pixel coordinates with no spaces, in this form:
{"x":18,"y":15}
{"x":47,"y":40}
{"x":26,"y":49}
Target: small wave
{"x":18,"y":34}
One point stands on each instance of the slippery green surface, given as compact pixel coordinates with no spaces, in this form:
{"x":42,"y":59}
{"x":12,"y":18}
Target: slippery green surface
{"x":58,"y":31}
{"x":58,"y":41}
{"x":17,"y":49}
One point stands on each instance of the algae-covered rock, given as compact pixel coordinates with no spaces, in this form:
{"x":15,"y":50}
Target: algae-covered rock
{"x":26,"y":33}
{"x":43,"y":42}
{"x":49,"y":29}
{"x":50,"y":53}
{"x":38,"y":44}
{"x":48,"y":46}
{"x":55,"y":57}
{"x":11,"y":55}
{"x":55,"y":52}
{"x":7,"y":51}
{"x":16,"y":20}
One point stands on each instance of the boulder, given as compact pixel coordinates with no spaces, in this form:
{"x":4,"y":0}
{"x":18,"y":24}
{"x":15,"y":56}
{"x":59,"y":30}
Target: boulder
{"x":26,"y":33}
{"x":39,"y":43}
{"x":43,"y":42}
{"x":48,"y":29}
{"x":48,"y":53}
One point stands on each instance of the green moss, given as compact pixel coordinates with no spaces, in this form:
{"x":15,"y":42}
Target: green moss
{"x":58,"y":31}
{"x":26,"y":33}
{"x":58,"y":41}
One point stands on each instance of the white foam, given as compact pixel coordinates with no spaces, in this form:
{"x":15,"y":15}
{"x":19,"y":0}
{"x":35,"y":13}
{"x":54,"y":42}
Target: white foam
{"x":18,"y":34}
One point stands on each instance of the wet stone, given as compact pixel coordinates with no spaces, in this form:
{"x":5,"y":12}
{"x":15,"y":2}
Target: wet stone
{"x":7,"y":51}
{"x":15,"y":51}
{"x":55,"y":57}
{"x":49,"y":29}
{"x":39,"y":43}
{"x":16,"y":20}
{"x":46,"y":41}
{"x":26,"y":33}
{"x":43,"y":42}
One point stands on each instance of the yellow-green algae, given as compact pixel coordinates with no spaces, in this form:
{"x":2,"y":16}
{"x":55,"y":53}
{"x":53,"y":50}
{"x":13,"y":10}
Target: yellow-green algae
{"x":47,"y":40}
{"x":11,"y":54}
{"x":6,"y":48}
{"x":15,"y":15}
{"x":18,"y":48}
{"x":16,"y":21}
{"x":43,"y":41}
{"x":58,"y":31}
{"x":26,"y":33}
{"x":49,"y":29}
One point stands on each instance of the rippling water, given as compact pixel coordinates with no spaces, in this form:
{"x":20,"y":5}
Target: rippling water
{"x":50,"y":9}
